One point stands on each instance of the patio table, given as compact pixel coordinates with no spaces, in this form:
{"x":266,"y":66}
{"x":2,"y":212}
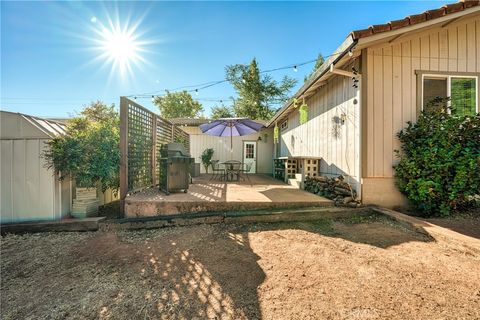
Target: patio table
{"x":232,"y":167}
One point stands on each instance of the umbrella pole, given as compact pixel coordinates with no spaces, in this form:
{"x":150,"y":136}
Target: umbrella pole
{"x":231,"y":143}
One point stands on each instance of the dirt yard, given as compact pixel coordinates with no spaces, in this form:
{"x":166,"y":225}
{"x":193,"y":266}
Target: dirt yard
{"x":364,"y":268}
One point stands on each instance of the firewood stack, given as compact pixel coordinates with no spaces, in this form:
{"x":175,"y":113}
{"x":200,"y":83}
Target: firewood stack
{"x":336,"y":189}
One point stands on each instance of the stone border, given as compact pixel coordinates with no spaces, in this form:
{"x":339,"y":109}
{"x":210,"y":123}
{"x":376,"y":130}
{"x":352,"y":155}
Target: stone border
{"x":431,"y":230}
{"x":86,"y":224}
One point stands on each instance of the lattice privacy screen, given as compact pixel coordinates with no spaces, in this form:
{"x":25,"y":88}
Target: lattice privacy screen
{"x":144,"y":133}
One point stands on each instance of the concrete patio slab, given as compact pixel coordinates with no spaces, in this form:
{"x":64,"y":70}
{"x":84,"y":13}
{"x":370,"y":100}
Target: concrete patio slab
{"x":206,"y":195}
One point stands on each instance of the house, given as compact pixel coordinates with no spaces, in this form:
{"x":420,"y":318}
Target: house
{"x":378,"y":79}
{"x":255,"y":148}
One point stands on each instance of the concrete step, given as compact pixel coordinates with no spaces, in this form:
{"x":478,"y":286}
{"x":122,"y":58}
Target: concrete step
{"x":302,"y":214}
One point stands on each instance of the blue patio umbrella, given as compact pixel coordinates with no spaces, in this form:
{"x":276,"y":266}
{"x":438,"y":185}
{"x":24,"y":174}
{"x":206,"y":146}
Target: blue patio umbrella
{"x":231,"y":127}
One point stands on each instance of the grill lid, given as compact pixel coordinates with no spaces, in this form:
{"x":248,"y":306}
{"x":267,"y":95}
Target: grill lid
{"x":174,"y":149}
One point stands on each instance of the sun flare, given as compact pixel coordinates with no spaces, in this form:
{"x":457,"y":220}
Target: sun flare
{"x":119,"y":47}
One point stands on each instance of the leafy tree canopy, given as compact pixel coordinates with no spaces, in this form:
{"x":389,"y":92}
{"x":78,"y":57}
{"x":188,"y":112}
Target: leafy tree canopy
{"x":178,"y":105}
{"x":89,"y":151}
{"x":222,"y":111}
{"x":259,"y":96}
{"x":318,"y":64}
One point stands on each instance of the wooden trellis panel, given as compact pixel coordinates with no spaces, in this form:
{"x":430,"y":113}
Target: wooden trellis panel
{"x":142,"y":133}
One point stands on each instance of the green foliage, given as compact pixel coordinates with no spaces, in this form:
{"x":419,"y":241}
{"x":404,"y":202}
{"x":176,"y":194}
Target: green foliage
{"x":206,"y":158}
{"x":222,"y":111}
{"x":89,"y":151}
{"x":440,"y":160}
{"x":259,"y":96}
{"x":178,"y":105}
{"x":318,"y":64}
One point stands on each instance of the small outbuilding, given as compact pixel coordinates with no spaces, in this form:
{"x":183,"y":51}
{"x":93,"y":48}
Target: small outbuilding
{"x":29,"y":191}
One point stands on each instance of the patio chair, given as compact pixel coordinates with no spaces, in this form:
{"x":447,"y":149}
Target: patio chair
{"x":216,"y":170}
{"x":246,"y":170}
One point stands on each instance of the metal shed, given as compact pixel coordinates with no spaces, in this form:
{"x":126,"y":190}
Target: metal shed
{"x":29,"y":191}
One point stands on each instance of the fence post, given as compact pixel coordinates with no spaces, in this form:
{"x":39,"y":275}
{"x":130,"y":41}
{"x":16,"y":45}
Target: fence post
{"x":123,"y":152}
{"x":154,"y":150}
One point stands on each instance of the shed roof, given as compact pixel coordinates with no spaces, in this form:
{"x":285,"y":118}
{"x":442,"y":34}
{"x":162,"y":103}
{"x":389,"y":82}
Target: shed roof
{"x":13,"y":128}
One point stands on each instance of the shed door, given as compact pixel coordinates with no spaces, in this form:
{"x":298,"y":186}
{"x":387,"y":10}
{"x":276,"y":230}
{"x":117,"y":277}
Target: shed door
{"x":250,"y":155}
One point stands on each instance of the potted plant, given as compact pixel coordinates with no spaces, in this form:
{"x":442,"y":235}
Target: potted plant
{"x":206,"y":158}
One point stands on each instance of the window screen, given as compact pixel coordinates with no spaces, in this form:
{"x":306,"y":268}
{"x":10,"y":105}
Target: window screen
{"x":463,"y":96}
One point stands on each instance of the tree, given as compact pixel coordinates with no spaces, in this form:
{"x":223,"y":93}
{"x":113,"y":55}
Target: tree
{"x":90,"y":149}
{"x":178,"y":105}
{"x":318,"y":64}
{"x":222,"y":111}
{"x":259,"y":96}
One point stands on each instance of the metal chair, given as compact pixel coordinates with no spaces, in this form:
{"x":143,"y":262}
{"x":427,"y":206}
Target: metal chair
{"x":246,"y":170}
{"x":216,"y":170}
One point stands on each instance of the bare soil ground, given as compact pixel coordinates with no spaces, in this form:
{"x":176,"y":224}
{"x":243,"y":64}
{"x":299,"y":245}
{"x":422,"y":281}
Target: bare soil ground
{"x":362,"y":268}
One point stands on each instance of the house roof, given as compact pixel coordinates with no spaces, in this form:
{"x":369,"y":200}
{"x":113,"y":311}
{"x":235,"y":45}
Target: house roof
{"x":192,"y":122}
{"x":415,"y":19}
{"x":358,"y":39}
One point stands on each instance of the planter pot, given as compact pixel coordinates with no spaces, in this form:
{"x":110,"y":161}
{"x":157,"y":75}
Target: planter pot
{"x":86,"y":203}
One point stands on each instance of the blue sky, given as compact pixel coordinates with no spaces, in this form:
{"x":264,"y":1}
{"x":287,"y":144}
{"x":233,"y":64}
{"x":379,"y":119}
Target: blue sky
{"x":51,"y":64}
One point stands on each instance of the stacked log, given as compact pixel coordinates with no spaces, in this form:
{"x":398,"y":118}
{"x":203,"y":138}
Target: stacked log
{"x":335,"y":188}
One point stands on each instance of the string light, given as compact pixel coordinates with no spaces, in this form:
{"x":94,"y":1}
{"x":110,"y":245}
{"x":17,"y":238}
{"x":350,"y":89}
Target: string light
{"x":206,"y":85}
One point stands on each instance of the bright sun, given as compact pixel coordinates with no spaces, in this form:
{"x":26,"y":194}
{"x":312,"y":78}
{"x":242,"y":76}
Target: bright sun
{"x":119,"y":47}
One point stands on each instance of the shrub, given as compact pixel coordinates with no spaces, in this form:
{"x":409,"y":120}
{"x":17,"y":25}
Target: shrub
{"x":89,"y":151}
{"x":439,"y":168}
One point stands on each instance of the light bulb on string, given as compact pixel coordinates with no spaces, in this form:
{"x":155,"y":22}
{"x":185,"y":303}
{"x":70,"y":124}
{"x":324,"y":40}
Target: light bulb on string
{"x":295,"y":69}
{"x":153,"y":98}
{"x":196,"y":92}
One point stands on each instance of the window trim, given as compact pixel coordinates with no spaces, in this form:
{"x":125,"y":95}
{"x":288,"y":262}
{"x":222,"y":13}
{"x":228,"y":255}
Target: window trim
{"x":448,"y":75}
{"x":282,"y":127}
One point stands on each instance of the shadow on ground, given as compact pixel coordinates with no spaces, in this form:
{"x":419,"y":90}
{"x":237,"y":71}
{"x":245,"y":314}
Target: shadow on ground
{"x":197,"y":272}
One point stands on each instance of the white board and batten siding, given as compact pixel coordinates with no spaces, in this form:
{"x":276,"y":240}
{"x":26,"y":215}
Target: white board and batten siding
{"x":392,"y":83}
{"x":222,"y":151}
{"x":324,"y":135}
{"x":392,"y":91}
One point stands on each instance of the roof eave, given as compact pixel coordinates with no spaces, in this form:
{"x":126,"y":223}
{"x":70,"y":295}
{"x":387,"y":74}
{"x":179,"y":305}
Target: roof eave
{"x":343,"y":49}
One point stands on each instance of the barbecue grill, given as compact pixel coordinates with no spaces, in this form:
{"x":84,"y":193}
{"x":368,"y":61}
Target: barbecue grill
{"x":175,"y":165}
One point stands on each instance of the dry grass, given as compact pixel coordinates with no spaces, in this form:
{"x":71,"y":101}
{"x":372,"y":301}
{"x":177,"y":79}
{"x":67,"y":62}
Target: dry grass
{"x":366,"y":268}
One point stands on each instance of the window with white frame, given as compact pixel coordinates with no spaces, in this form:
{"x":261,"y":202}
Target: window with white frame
{"x":462,"y":90}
